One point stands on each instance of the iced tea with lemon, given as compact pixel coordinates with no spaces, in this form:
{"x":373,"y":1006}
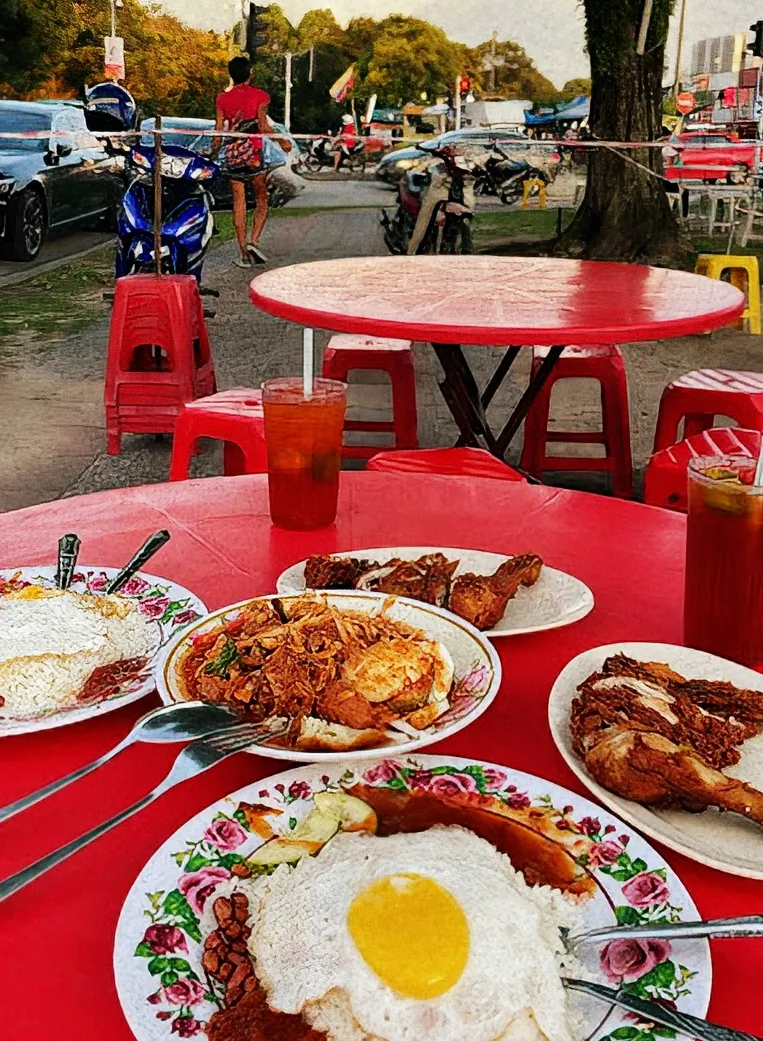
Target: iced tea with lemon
{"x":304,"y":443}
{"x":723,"y":607}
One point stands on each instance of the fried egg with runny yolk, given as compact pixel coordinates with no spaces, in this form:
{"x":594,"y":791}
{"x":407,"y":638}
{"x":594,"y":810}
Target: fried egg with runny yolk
{"x":412,"y":937}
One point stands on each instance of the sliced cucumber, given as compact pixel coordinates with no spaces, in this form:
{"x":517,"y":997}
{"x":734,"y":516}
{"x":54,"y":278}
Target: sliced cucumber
{"x":317,"y":827}
{"x":281,"y":851}
{"x":352,"y":813}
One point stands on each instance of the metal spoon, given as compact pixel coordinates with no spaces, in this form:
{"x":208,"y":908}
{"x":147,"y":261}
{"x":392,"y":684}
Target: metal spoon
{"x":715,"y":929}
{"x":150,"y":546}
{"x":182,"y":722}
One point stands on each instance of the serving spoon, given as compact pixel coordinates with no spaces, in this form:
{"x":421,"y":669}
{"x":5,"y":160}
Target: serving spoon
{"x":181,"y":722}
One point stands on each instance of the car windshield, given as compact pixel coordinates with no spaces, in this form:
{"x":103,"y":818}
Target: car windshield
{"x":18,"y":120}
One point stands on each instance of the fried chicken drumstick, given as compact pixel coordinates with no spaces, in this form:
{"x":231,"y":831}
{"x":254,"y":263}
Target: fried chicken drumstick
{"x":479,"y":599}
{"x":650,"y":735}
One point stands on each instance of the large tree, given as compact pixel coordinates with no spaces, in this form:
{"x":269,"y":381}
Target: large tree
{"x":514,"y":74}
{"x":625,"y":213}
{"x":409,"y":58}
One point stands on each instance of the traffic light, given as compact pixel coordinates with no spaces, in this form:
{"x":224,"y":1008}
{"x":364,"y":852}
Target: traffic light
{"x":464,"y":86}
{"x":256,"y":30}
{"x":756,"y":47}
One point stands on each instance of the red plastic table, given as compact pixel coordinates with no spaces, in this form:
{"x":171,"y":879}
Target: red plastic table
{"x":495,"y":301}
{"x":57,"y":933}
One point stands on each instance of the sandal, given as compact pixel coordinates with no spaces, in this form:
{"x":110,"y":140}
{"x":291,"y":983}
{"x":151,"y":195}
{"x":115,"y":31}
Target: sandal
{"x":240,"y":262}
{"x":256,"y":254}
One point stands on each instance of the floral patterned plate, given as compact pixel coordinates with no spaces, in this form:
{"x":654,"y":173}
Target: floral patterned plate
{"x":165,"y":992}
{"x":557,"y":599}
{"x":476,"y":680}
{"x":171,"y":607}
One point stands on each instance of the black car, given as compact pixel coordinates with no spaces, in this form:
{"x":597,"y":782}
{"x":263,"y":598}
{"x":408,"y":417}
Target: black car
{"x":51,"y":183}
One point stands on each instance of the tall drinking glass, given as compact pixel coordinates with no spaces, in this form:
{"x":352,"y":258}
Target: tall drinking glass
{"x":304,"y":443}
{"x":723,"y":607}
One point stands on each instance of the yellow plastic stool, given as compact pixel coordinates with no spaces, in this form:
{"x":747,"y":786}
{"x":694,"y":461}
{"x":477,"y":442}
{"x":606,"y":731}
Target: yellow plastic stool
{"x":529,"y":185}
{"x":744,"y":275}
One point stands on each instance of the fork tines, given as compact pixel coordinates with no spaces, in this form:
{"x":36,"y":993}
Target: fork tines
{"x":245,"y":734}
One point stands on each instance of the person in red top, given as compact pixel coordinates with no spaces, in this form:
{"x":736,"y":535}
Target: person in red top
{"x":245,"y":107}
{"x":345,"y":140}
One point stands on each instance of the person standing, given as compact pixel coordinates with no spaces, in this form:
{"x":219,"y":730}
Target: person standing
{"x":244,"y":107}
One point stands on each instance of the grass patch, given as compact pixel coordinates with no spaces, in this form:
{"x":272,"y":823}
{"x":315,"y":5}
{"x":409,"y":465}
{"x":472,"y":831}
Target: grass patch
{"x":55,"y":303}
{"x":224,"y":219}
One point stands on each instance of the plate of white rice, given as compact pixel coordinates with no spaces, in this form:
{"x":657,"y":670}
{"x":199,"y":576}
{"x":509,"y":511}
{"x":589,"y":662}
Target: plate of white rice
{"x":67,"y":656}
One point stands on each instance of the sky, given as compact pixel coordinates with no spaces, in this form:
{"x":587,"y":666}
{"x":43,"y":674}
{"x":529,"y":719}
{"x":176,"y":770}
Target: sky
{"x":551,"y":31}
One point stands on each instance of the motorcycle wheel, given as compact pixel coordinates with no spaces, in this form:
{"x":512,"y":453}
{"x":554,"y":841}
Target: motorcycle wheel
{"x":509,"y":197}
{"x":456,"y":238}
{"x":312,"y":163}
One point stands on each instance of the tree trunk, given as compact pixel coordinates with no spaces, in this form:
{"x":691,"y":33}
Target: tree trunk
{"x":625,"y":213}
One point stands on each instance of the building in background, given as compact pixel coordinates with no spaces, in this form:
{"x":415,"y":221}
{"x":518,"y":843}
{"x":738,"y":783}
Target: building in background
{"x":725,"y":81}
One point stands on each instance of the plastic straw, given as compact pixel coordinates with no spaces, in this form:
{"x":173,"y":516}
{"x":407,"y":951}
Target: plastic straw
{"x":307,"y":362}
{"x":759,"y":470}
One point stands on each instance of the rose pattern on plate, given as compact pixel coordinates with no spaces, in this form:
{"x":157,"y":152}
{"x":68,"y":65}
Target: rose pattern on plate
{"x":154,"y":601}
{"x":171,"y":944}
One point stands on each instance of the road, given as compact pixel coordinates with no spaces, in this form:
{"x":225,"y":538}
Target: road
{"x":317,"y":194}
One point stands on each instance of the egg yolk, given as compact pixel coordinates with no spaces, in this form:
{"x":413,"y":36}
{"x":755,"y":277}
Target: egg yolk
{"x":412,"y":933}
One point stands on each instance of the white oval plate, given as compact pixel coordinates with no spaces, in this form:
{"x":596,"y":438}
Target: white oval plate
{"x":633,"y":883}
{"x":477,"y":675}
{"x":724,"y":841}
{"x":171,"y":606}
{"x":556,"y":599}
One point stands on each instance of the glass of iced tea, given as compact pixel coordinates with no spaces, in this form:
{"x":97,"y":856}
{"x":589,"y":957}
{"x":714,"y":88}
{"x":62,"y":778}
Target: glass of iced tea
{"x":723,"y":606}
{"x":304,"y":443}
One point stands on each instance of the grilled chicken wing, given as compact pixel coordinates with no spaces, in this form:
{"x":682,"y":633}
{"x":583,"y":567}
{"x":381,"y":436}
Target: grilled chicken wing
{"x":482,"y":599}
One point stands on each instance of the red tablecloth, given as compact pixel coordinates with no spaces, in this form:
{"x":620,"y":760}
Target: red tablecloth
{"x":497,"y":300}
{"x":57,"y":934}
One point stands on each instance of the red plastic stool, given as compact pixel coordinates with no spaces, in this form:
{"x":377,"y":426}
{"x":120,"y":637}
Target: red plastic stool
{"x":158,"y":356}
{"x":699,"y":396}
{"x":459,"y":462}
{"x":605,"y":364}
{"x":395,"y":357}
{"x":232,"y":416}
{"x":665,"y":480}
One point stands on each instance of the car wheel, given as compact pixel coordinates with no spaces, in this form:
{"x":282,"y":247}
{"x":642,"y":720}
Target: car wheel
{"x":26,"y":225}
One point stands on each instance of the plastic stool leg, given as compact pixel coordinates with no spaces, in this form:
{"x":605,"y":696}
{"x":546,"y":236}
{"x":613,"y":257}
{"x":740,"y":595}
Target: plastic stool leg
{"x":234,"y":459}
{"x":669,"y":417}
{"x":535,"y":431}
{"x":404,"y":415}
{"x":184,"y":446}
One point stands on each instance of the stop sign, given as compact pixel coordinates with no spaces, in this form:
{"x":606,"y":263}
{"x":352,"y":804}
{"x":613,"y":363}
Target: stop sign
{"x":685,"y":102}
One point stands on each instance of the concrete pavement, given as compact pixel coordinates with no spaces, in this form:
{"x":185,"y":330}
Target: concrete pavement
{"x":53,"y":441}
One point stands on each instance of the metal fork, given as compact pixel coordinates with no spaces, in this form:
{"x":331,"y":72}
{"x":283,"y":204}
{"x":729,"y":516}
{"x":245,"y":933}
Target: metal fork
{"x":194,"y":759}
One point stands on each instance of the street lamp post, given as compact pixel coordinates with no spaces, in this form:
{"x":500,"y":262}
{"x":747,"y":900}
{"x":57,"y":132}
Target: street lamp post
{"x":113,"y":5}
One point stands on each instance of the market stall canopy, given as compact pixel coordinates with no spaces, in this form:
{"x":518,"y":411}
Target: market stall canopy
{"x":575,"y":110}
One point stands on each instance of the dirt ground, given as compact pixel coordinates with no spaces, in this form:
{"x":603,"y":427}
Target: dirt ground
{"x":51,"y":412}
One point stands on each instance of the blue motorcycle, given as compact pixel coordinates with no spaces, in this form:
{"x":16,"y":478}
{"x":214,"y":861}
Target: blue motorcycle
{"x":187,"y":222}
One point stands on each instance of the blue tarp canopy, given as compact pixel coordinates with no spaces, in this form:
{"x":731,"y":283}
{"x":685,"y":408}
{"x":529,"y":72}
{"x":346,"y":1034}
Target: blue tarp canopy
{"x":575,"y":110}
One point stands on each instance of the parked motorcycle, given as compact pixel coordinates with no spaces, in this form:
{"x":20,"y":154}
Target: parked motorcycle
{"x":435,"y":206}
{"x":187,"y":222}
{"x":320,"y":152}
{"x":505,"y":175}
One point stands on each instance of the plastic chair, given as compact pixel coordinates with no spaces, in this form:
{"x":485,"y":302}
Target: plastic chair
{"x":233,"y":416}
{"x":456,"y":462}
{"x":665,"y":480}
{"x":605,"y":364}
{"x":158,"y":356}
{"x":395,"y":357}
{"x":744,"y":275}
{"x":699,"y":396}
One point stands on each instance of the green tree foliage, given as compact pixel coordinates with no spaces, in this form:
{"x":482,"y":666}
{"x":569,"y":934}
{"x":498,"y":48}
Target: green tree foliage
{"x":171,"y":68}
{"x":410,"y":57}
{"x":319,"y":26}
{"x":575,"y":88}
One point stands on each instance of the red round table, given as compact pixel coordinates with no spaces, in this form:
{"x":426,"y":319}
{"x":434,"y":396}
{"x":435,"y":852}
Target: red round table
{"x":55,"y":960}
{"x":495,"y":301}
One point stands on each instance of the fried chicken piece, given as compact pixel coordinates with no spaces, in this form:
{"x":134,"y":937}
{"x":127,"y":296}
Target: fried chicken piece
{"x":427,"y":579}
{"x":652,"y":770}
{"x":333,"y":572}
{"x":340,"y":703}
{"x":482,"y":599}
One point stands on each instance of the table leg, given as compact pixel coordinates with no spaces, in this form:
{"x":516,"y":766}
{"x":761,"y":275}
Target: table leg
{"x":462,"y":396}
{"x":495,"y":381}
{"x":534,"y":387}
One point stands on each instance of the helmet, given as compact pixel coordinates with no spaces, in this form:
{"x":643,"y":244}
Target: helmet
{"x":347,"y":119}
{"x":114,"y":104}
